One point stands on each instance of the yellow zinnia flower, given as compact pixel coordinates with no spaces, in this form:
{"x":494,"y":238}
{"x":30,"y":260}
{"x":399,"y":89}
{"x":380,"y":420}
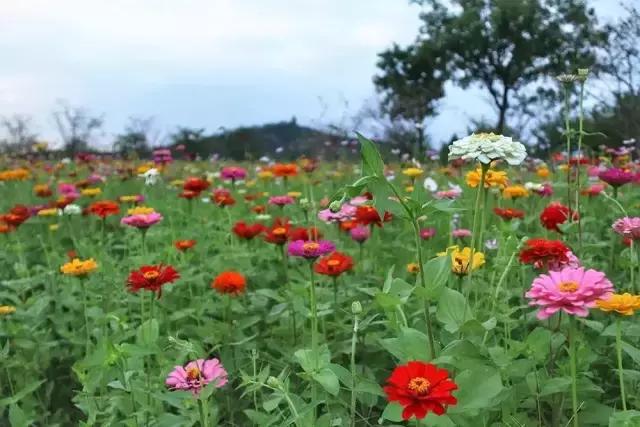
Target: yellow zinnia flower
{"x":48,"y":212}
{"x":625,"y":304}
{"x":514,"y":192}
{"x":543,"y":172}
{"x":492,"y":178}
{"x":294,"y":194}
{"x":7,"y":309}
{"x":19,"y":174}
{"x":79,"y":268}
{"x":140,"y":210}
{"x":412,"y":172}
{"x":266,"y":174}
{"x":128,"y":199}
{"x":461,"y":258}
{"x":91,"y":192}
{"x":144,"y":168}
{"x":413,"y":268}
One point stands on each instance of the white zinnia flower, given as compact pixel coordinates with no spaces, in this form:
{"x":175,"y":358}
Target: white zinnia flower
{"x":151,"y":176}
{"x":533,"y":186}
{"x":430,"y":184}
{"x":486,"y":147}
{"x":72,"y":209}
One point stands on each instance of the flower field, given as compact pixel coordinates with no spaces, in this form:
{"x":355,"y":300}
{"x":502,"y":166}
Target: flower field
{"x":495,"y":289}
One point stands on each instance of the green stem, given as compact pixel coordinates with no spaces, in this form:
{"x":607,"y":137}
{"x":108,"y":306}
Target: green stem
{"x":86,"y":317}
{"x":204,"y":412}
{"x":619,"y":357}
{"x":292,"y":311}
{"x":567,"y":125}
{"x":574,"y":375}
{"x":580,"y":131}
{"x":426,"y":307}
{"x":354,"y":340}
{"x":314,"y":336}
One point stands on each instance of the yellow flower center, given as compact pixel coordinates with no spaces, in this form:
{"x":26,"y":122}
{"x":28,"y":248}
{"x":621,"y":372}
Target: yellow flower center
{"x":419,"y":385}
{"x":310,"y":246}
{"x":151,"y":275}
{"x":568,"y":287}
{"x":333,"y":262}
{"x":193,"y":373}
{"x":279,"y":231}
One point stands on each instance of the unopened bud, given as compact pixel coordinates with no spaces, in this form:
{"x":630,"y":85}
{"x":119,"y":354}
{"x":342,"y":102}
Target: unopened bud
{"x":583,"y":73}
{"x":356,"y":307}
{"x":274,"y":382}
{"x":335,"y":206}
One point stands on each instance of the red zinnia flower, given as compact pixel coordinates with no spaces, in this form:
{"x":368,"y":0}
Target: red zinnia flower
{"x":151,"y":278}
{"x":420,"y":388}
{"x":347,"y":225}
{"x":366,"y":215}
{"x":334,"y":264}
{"x":555,"y":214}
{"x":104,"y":208}
{"x":229,"y":282}
{"x":222,"y":197}
{"x":278,"y":233}
{"x":542,"y":252}
{"x":188,"y":194}
{"x":247,"y":231}
{"x":509,"y":214}
{"x":302,"y":233}
{"x":285,"y":170}
{"x":196,"y":185}
{"x":183,"y":245}
{"x":16,"y":216}
{"x":259,"y":209}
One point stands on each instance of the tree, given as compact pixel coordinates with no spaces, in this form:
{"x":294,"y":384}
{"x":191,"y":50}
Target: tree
{"x":411,"y":82}
{"x":138,"y":137}
{"x":507,"y":47}
{"x":76,"y":127}
{"x":20,"y":135}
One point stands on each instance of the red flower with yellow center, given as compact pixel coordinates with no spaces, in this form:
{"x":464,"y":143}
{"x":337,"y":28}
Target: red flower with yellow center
{"x":278,"y":234}
{"x":196,"y":185}
{"x":247,"y":231}
{"x":334,"y":264}
{"x":420,"y":388}
{"x":302,"y":233}
{"x":229,"y":282}
{"x":152,"y":278}
{"x":183,"y":245}
{"x":222,"y":197}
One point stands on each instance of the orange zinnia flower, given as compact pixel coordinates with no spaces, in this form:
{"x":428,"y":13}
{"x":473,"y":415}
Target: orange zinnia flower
{"x":229,"y":282}
{"x":285,"y":170}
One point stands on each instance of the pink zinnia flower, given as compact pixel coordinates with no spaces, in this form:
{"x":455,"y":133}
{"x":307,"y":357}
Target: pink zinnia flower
{"x":69,"y":191}
{"x":310,"y":249}
{"x":427,"y":233}
{"x":142,"y":220}
{"x":628,"y":227}
{"x":233,"y":173}
{"x":572,"y":290}
{"x":616,"y":177}
{"x":461,"y":233}
{"x":360,"y":233}
{"x":358,"y":200}
{"x":346,"y":212}
{"x":570,"y":261}
{"x":197,"y":374}
{"x":454,"y":193}
{"x":545,"y":191}
{"x":281,"y":200}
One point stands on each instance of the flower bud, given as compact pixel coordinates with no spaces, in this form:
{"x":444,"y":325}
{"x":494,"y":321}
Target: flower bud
{"x":335,"y":206}
{"x":274,"y":382}
{"x":356,"y":307}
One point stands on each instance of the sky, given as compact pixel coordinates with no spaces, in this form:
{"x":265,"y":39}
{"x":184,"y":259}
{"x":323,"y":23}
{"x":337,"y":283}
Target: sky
{"x":209,"y":63}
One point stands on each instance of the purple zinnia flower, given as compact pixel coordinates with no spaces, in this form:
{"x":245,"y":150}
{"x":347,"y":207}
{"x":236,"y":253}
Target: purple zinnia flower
{"x":310,"y":249}
{"x":233,"y":173}
{"x":616,"y":177}
{"x":197,"y":374}
{"x":360,"y":233}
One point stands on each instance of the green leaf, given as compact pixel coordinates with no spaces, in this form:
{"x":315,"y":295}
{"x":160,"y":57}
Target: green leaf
{"x":328,"y":380}
{"x":392,"y":412}
{"x":372,"y":163}
{"x":410,"y":344}
{"x":309,"y":360}
{"x":633,"y":352}
{"x":148,"y":332}
{"x":453,"y":310}
{"x":625,"y":419}
{"x":28,"y":389}
{"x":477,"y":389}
{"x":17,"y":417}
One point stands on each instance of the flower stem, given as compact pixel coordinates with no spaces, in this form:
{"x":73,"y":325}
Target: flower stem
{"x":86,"y":317}
{"x":423,"y":283}
{"x":354,"y":340}
{"x":314,"y":336}
{"x":567,"y":125}
{"x":204,"y":413}
{"x":292,"y":311}
{"x":580,"y":131}
{"x":619,"y":357}
{"x":574,"y":375}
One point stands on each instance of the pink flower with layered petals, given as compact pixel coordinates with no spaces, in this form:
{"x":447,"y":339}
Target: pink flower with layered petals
{"x":142,"y":220}
{"x":346,"y":212}
{"x":572,"y":290}
{"x":310,"y":249}
{"x":197,"y":374}
{"x":628,"y":227}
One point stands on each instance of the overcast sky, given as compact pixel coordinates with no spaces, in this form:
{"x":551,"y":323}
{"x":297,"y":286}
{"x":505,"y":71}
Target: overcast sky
{"x":208,"y":63}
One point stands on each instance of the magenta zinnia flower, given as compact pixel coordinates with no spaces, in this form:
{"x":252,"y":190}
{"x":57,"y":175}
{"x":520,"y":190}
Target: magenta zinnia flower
{"x":616,"y":177}
{"x":572,"y":290}
{"x":233,"y":173}
{"x":197,"y":374}
{"x":281,"y":200}
{"x":427,"y":233}
{"x":142,"y":220}
{"x":346,"y":212}
{"x":360,"y":233}
{"x":310,"y":249}
{"x":628,"y":227}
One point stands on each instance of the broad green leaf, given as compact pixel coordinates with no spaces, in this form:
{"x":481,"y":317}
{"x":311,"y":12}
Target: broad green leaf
{"x":329,"y":380}
{"x":453,"y":310}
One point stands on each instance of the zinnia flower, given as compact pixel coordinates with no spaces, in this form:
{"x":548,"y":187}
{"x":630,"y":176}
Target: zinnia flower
{"x":514,"y":192}
{"x":7,"y":309}
{"x":492,"y":178}
{"x":427,"y":233}
{"x":346,"y":212}
{"x":281,"y":200}
{"x":360,"y":233}
{"x":183,"y":245}
{"x":461,"y":233}
{"x":152,"y":278}
{"x":248,"y":232}
{"x":420,"y":388}
{"x":104,"y":208}
{"x":412,"y":173}
{"x":334,"y":264}
{"x":572,"y":290}
{"x":310,"y":249}
{"x":508,"y":214}
{"x":195,"y":185}
{"x":548,"y":254}
{"x":366,"y":215}
{"x":625,"y":304}
{"x":79,"y":268}
{"x":197,"y":374}
{"x":222,"y":197}
{"x":487,"y":147}
{"x":233,"y":173}
{"x":616,"y":177}
{"x":229,"y":282}
{"x":555,"y":214}
{"x":284,"y":170}
{"x":628,"y":227}
{"x":302,"y":233}
{"x":142,"y":221}
{"x":461,"y":263}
